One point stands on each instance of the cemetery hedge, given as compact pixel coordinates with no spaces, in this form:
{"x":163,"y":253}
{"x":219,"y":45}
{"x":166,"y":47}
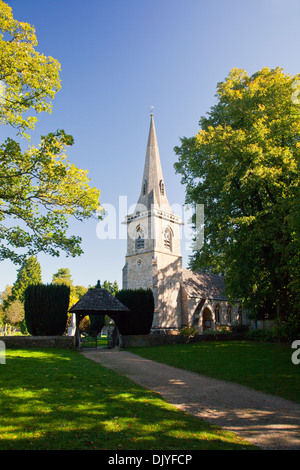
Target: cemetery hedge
{"x":139,"y":320}
{"x":46,"y":309}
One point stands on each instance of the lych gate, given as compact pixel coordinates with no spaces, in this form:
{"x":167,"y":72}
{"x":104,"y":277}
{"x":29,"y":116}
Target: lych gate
{"x":96,"y":301}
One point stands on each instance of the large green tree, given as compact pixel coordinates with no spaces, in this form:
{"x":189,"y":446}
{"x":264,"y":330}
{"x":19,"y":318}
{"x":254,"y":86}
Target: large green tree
{"x":14,"y":313}
{"x":29,"y":79}
{"x":40,"y":188}
{"x":29,"y":273}
{"x":112,"y":287}
{"x":63,"y":276}
{"x":243,"y":166}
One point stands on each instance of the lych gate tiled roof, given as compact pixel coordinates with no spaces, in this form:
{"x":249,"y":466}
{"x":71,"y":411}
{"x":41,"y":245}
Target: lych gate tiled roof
{"x":203,"y":285}
{"x":97,"y":301}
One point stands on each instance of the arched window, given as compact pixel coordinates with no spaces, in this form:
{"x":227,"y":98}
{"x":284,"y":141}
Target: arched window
{"x":207,"y":319}
{"x":217,"y":313}
{"x":229,"y":313}
{"x":168,"y":238}
{"x":139,"y":238}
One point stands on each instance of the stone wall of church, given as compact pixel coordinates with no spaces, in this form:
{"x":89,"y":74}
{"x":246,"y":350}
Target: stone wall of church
{"x":139,"y":271}
{"x":144,"y":223}
{"x":226,"y":317}
{"x":193,"y":309}
{"x":184,"y":308}
{"x":161,"y":224}
{"x":156,"y":264}
{"x":168,"y":307}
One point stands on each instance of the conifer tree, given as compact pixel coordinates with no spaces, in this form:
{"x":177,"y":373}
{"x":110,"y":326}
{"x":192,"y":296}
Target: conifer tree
{"x":63,"y":276}
{"x":29,"y":273}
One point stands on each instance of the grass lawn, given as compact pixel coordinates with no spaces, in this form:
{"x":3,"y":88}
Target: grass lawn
{"x":58,"y":399}
{"x":263,"y":366}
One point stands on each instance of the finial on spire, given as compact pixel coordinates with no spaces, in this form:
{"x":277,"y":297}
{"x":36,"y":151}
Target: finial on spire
{"x":151,"y":107}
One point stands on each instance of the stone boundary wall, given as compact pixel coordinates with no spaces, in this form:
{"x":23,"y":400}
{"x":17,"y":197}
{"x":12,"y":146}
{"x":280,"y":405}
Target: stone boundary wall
{"x":156,"y":340}
{"x":24,"y":342}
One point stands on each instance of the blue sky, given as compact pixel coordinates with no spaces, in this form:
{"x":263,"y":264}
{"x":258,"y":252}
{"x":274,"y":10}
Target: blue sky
{"x":119,"y":58}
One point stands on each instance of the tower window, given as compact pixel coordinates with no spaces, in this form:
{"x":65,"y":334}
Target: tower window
{"x":168,"y":239}
{"x":162,"y":187}
{"x":140,"y":239}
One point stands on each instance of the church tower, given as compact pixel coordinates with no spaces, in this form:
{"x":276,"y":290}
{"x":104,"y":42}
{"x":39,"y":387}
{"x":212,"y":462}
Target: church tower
{"x":153,"y":258}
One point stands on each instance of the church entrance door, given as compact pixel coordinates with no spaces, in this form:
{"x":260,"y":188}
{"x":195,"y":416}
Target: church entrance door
{"x":207,"y":319}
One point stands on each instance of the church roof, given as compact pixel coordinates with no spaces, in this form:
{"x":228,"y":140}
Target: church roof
{"x":203,"y":285}
{"x":153,"y":189}
{"x":98,"y":301}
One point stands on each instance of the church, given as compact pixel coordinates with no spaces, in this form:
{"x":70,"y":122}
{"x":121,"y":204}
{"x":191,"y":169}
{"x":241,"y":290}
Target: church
{"x":153,"y":260}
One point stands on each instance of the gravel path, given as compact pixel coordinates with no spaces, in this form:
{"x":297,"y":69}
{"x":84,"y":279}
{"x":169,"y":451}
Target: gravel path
{"x":267,"y":421}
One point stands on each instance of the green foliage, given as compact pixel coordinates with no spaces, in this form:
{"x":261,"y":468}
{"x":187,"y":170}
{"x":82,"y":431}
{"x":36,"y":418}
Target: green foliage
{"x":39,"y":187}
{"x":3,"y":299}
{"x":13,"y":300}
{"x":243,"y":166}
{"x":23,"y":327}
{"x":239,"y":328}
{"x":288,"y":329}
{"x":29,"y":79}
{"x":29,"y":273}
{"x":43,"y":190}
{"x":97,"y":322}
{"x":79,"y":291}
{"x":112,"y":287}
{"x":260,"y":335}
{"x":63,"y":276}
{"x":14,"y":313}
{"x":188,"y":331}
{"x":141,"y":305}
{"x":46,"y":308}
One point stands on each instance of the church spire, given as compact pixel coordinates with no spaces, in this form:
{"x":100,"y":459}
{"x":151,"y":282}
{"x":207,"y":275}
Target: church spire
{"x":153,"y":191}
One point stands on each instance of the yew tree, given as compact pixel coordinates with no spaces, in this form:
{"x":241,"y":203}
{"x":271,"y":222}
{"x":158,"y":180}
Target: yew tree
{"x":243,"y":165}
{"x":39,"y":188}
